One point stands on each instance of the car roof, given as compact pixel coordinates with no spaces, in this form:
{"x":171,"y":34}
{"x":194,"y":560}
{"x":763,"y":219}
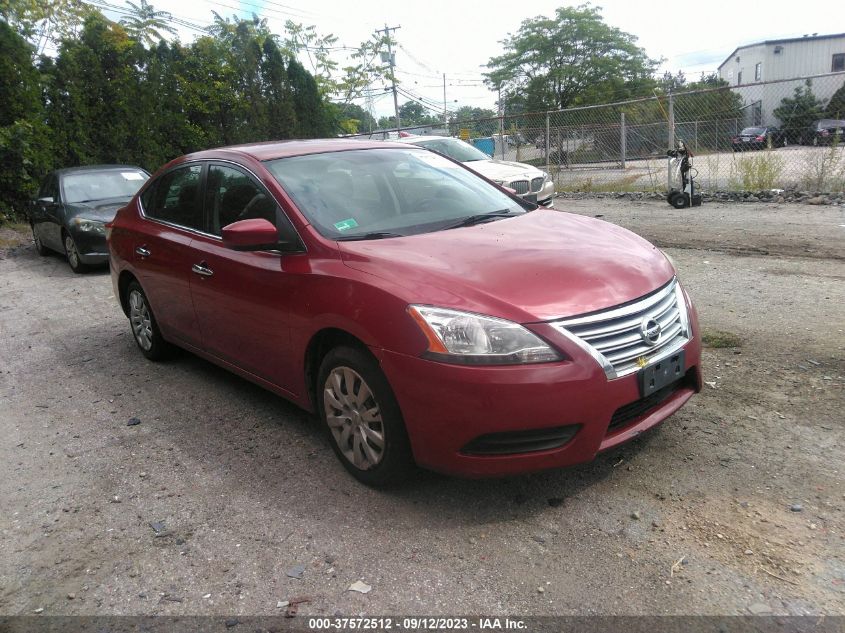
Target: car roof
{"x":84,"y":168}
{"x":270,"y":150}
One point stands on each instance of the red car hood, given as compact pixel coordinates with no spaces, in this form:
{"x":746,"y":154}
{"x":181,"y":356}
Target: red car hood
{"x":536,"y":267}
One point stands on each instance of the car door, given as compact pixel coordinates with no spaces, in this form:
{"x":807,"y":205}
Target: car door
{"x":172,"y":210}
{"x":47,"y":214}
{"x":242,"y":298}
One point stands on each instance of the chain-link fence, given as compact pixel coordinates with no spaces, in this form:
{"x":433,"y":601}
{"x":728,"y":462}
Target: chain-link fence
{"x":765,"y":135}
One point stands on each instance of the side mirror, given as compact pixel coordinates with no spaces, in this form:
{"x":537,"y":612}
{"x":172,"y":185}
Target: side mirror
{"x":509,"y":190}
{"x":251,"y":235}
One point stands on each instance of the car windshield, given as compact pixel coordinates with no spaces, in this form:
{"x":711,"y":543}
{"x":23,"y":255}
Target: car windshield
{"x":99,"y":185}
{"x":387,"y":192}
{"x":756,"y":131}
{"x":830,"y":123}
{"x":454,"y":148}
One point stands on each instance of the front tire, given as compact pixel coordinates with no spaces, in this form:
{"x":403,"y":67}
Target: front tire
{"x":72,"y":254}
{"x":142,"y":321}
{"x":360,"y":412}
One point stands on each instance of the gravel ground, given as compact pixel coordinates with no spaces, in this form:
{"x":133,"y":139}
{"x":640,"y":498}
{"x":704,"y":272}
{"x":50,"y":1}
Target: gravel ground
{"x":735,"y":505}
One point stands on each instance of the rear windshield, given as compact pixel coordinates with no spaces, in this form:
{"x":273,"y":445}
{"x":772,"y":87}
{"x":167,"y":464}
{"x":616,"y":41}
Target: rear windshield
{"x":100,"y":185}
{"x":756,"y":131}
{"x":401,"y":191}
{"x":454,"y":148}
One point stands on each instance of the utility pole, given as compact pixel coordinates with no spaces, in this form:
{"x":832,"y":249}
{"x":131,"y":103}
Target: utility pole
{"x":445,"y":112}
{"x":392,"y":60}
{"x":501,"y":124}
{"x":671,"y":139}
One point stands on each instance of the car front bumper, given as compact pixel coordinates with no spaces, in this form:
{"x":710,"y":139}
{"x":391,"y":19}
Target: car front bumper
{"x":91,"y":246}
{"x":446,"y":407}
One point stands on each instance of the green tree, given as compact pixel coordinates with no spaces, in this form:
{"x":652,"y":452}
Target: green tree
{"x":836,"y":105}
{"x":24,"y":143}
{"x":308,"y":104}
{"x":479,"y":121}
{"x":574,"y":58}
{"x":797,"y":113}
{"x":95,"y":82}
{"x":281,"y":117}
{"x":352,"y":118}
{"x":412,"y":113}
{"x":44,"y":22}
{"x":146,"y":24}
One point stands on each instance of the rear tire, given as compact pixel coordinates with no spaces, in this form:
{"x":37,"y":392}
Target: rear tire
{"x":363,"y":420}
{"x":143,"y":325}
{"x":39,"y":246}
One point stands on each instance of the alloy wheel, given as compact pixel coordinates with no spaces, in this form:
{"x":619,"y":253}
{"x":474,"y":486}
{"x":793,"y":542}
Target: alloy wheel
{"x":354,"y":418}
{"x":72,"y":252}
{"x":139,"y":317}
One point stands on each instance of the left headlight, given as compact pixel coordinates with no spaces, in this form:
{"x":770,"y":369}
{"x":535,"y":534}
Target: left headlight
{"x":474,"y":339}
{"x":90,"y":226}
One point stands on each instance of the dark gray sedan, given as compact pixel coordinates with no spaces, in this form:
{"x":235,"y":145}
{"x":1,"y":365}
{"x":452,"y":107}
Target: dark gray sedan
{"x":73,"y":207}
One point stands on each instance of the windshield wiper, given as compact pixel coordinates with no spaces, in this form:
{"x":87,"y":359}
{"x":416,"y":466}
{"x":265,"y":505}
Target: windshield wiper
{"x":375,"y":235}
{"x":476,"y":219}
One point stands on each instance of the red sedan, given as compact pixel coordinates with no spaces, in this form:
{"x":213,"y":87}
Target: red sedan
{"x":427,"y":315}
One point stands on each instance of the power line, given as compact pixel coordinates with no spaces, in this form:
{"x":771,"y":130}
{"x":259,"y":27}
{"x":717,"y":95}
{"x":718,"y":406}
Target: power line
{"x":257,"y":10}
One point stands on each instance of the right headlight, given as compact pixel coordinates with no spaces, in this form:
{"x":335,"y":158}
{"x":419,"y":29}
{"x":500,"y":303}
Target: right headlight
{"x":90,"y":226}
{"x":473,"y":339}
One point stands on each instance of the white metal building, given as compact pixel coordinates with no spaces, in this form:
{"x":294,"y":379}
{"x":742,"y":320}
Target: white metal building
{"x":748,"y":67}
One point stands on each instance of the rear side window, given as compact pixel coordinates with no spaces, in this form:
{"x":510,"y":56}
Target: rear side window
{"x":175,"y":198}
{"x":231,"y":196}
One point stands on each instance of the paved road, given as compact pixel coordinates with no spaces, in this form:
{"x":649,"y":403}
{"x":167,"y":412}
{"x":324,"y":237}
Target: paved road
{"x":693,"y":518}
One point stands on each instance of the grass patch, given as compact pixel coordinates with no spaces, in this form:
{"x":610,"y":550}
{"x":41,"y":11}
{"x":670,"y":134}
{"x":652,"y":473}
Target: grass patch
{"x":719,"y":339}
{"x":756,"y":173}
{"x":14,"y":234}
{"x":619,"y":185}
{"x":825,"y":170}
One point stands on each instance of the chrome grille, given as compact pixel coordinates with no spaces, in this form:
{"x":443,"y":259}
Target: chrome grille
{"x":536,"y":184}
{"x":520,"y":186}
{"x":618,"y":338}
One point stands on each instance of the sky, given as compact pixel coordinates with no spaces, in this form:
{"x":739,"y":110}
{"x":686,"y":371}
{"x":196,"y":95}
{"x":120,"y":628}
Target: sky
{"x":458,"y":37}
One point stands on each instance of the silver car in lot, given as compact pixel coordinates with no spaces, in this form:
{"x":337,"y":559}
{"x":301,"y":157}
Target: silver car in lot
{"x":527,"y":181}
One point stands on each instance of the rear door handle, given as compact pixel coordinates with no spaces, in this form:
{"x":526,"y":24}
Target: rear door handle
{"x":202,"y":269}
{"x":143,"y":252}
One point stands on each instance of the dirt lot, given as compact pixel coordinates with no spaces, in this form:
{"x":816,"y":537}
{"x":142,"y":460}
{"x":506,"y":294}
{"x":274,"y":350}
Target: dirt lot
{"x":735,"y":505}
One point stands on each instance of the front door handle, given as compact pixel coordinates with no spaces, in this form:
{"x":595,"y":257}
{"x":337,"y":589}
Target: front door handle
{"x":202,"y":269}
{"x":143,"y":252}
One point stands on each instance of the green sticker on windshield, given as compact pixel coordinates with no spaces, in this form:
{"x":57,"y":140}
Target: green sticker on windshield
{"x":345,"y":225}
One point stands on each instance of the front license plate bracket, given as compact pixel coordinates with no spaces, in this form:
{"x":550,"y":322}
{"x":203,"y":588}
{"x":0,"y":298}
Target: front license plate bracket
{"x":664,"y":372}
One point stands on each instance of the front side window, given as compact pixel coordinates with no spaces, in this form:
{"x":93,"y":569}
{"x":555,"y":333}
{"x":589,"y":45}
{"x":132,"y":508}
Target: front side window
{"x":837,"y":64}
{"x":231,"y":196}
{"x":176,"y":198}
{"x":396,"y":191}
{"x":90,"y":186}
